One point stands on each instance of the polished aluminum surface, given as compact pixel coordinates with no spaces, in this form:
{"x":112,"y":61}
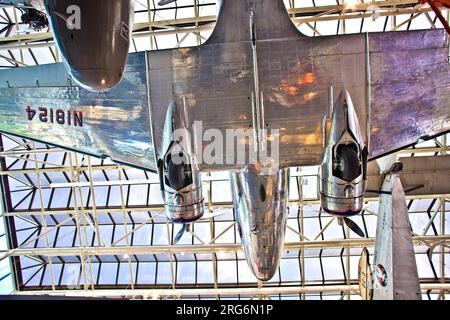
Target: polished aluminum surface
{"x":409,"y":72}
{"x":338,"y":196}
{"x":394,"y":249}
{"x":116,"y":123}
{"x":183,"y":204}
{"x":294,"y":74}
{"x":260,"y":203}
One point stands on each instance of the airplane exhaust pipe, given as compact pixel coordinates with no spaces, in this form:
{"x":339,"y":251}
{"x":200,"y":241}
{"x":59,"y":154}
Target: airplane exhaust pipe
{"x":260,"y":203}
{"x":344,"y":164}
{"x":180,"y":177}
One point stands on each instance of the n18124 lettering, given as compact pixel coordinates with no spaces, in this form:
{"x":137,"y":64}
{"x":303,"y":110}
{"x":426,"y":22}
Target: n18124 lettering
{"x":58,"y":116}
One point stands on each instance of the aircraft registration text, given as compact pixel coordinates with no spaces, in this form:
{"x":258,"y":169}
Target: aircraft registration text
{"x":58,"y":116}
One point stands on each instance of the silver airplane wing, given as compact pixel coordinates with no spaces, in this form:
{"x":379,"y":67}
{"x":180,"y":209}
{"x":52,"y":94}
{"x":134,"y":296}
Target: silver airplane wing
{"x":41,"y":104}
{"x":272,"y":77}
{"x":255,"y":72}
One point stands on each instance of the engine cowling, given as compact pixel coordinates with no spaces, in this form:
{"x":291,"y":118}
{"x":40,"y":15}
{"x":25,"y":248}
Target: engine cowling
{"x":344,"y":164}
{"x":180,"y":177}
{"x":93,"y":38}
{"x":260,"y":203}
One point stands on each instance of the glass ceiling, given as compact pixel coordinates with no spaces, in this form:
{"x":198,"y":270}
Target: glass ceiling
{"x":46,"y":217}
{"x":58,"y":199}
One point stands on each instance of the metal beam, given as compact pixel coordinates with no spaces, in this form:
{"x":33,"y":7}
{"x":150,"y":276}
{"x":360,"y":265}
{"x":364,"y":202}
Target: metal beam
{"x":179,"y":293}
{"x":206,"y":248}
{"x":160,"y":208}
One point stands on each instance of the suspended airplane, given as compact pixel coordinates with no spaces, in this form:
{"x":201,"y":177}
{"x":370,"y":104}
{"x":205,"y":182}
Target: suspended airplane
{"x":393,"y":274}
{"x":255,"y":74}
{"x":94,"y":57}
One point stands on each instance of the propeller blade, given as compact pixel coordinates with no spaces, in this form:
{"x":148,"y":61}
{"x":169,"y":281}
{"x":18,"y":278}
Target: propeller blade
{"x":354,"y":227}
{"x":377,"y":191}
{"x":164,"y":2}
{"x":414,"y":188}
{"x":180,"y":234}
{"x":215,"y":213}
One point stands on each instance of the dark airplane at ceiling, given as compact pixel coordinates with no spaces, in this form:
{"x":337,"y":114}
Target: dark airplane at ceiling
{"x":93,"y":37}
{"x":256,"y":71}
{"x":95,"y":52}
{"x":94,"y":45}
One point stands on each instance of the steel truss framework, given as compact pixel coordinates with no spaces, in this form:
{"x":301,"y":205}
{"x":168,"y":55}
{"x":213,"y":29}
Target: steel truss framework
{"x":83,"y":226}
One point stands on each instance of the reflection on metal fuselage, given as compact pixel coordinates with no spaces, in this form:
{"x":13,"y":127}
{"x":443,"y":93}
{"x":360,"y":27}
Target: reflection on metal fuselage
{"x":344,"y":164}
{"x":179,"y":176}
{"x":94,"y":46}
{"x":260,"y":203}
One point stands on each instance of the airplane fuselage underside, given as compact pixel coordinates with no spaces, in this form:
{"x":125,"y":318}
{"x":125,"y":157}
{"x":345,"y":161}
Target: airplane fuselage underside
{"x":274,"y":80}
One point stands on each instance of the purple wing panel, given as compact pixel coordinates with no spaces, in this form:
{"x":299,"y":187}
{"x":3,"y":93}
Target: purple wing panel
{"x":410,"y":79}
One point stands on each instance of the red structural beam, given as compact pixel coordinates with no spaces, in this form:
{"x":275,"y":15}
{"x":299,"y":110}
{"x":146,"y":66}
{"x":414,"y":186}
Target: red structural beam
{"x":435,"y":5}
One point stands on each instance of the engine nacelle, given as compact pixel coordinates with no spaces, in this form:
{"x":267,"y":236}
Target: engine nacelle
{"x":344,"y":164}
{"x":180,"y":177}
{"x":93,"y":38}
{"x":260,"y":203}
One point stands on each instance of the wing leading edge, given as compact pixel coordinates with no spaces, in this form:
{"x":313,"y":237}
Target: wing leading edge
{"x":399,"y":83}
{"x":41,"y":104}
